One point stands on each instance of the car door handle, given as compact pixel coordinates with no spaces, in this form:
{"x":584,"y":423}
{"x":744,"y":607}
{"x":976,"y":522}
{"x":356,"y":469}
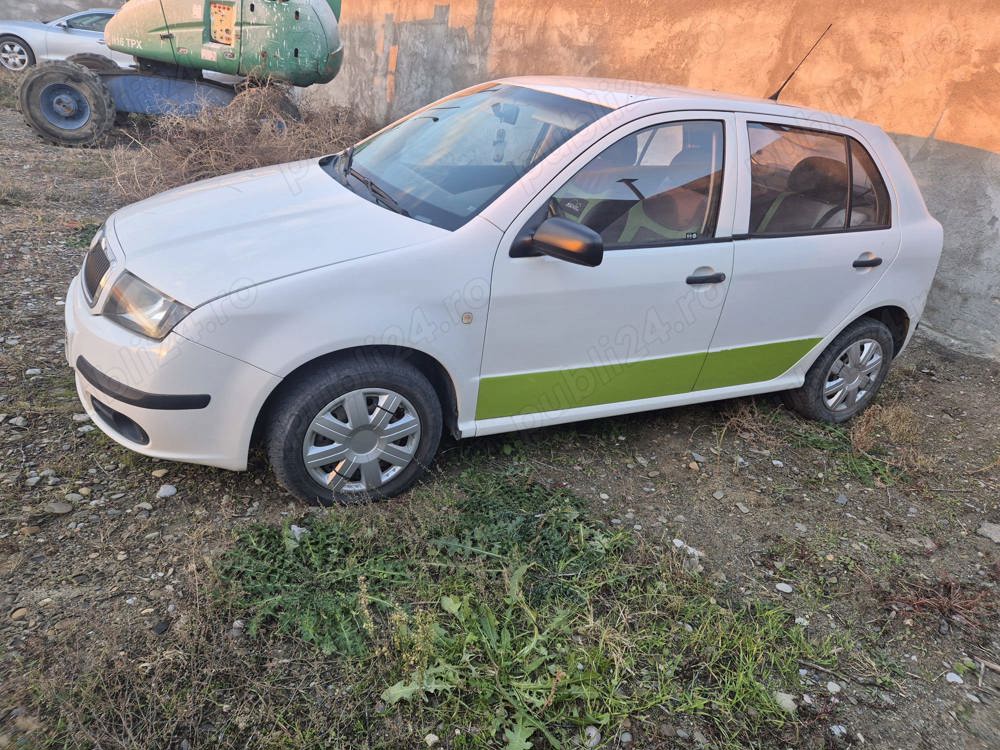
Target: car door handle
{"x":873,"y":262}
{"x":710,"y":278}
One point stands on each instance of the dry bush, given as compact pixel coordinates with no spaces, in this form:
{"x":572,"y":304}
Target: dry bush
{"x":257,"y":129}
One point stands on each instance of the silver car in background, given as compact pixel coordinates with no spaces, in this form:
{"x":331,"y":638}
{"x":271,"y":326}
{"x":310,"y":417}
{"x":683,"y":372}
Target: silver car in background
{"x":24,"y":43}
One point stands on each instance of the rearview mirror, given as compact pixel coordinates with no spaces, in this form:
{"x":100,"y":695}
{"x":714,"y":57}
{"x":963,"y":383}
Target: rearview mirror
{"x":562,"y":239}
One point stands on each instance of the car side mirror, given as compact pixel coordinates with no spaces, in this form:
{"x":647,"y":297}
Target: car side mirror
{"x":563,"y":239}
{"x":64,"y":26}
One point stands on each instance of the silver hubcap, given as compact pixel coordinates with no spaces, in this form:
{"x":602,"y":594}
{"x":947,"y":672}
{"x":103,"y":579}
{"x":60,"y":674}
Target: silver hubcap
{"x":13,"y":56}
{"x":852,"y":375}
{"x":361,"y":441}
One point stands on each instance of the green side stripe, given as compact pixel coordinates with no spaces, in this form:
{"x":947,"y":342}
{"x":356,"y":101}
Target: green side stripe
{"x":751,"y":364}
{"x":553,"y":390}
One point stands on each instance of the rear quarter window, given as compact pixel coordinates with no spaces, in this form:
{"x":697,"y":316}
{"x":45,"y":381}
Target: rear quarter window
{"x":870,"y":207}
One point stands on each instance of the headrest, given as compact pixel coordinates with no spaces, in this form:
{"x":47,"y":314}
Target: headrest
{"x":690,"y":157}
{"x":819,"y":175}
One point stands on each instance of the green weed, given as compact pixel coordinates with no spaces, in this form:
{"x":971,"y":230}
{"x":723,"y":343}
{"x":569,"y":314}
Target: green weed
{"x":868,"y":466}
{"x":81,"y":236}
{"x":515,"y":619}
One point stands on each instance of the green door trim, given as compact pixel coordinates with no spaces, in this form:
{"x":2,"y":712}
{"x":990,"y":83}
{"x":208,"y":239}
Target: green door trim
{"x":554,"y":390}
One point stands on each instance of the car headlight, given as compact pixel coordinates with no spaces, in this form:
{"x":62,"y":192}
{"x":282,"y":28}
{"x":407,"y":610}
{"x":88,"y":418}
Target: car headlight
{"x":139,"y":307}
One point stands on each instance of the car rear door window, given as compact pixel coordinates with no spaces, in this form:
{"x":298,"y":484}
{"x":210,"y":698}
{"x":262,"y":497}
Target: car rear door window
{"x":657,"y":186}
{"x":799,"y":180}
{"x":869,"y":195}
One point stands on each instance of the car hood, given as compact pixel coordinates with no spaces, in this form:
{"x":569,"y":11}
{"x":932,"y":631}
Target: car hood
{"x":212,"y":238}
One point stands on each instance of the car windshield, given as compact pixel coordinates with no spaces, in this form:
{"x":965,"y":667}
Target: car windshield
{"x":445,"y":164}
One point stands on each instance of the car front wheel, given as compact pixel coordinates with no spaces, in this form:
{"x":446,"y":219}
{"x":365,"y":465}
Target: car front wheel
{"x":844,"y":380}
{"x":15,"y":54}
{"x":363,"y":429}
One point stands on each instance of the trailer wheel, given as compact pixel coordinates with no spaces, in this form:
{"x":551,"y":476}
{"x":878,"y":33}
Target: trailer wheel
{"x":66,"y":104}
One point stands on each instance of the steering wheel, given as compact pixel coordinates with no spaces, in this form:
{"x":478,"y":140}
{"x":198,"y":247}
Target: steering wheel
{"x":554,"y":209}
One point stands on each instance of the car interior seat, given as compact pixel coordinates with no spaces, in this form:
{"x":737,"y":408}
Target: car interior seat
{"x":815,"y":198}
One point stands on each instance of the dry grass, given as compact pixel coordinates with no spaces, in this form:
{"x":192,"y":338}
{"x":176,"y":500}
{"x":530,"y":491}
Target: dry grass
{"x":941,"y":599}
{"x":879,"y":446}
{"x":899,"y":422}
{"x":9,"y":83}
{"x":758,"y":427}
{"x":898,"y":426}
{"x":459,"y":616}
{"x":256,"y":130}
{"x":11,"y":194}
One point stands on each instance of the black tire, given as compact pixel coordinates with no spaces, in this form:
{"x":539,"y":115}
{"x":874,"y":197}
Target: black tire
{"x":84,"y":87}
{"x":28,"y":52}
{"x":93,"y":61}
{"x":305,"y":396}
{"x":809,"y":400}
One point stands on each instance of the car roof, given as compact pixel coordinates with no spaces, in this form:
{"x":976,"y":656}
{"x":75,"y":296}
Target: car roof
{"x":617,"y":93}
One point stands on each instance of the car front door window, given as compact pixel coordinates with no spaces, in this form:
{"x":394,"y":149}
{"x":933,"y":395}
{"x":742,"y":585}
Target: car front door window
{"x":657,"y":186}
{"x":89,"y":22}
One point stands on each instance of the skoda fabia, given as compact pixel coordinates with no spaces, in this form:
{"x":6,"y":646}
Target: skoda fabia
{"x":523,"y":253}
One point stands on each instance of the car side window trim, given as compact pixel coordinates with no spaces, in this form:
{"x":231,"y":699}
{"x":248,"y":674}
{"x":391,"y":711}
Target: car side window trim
{"x":672,"y":243}
{"x":811,"y":233}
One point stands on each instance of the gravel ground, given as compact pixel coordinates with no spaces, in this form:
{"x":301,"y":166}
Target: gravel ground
{"x":884,"y":532}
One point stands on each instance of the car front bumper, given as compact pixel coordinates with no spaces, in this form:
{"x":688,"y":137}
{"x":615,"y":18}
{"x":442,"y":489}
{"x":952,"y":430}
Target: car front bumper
{"x":173,"y":399}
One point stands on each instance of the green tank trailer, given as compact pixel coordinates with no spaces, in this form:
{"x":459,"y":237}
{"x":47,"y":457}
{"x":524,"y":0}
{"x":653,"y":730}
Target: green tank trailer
{"x":174,"y":43}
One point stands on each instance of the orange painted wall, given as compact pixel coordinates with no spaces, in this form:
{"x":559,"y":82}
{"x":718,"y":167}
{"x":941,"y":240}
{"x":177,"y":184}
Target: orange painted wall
{"x":927,"y":71}
{"x":913,"y":66}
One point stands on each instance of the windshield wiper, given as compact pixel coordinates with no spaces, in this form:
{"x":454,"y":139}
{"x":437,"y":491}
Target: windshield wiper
{"x":380,"y":195}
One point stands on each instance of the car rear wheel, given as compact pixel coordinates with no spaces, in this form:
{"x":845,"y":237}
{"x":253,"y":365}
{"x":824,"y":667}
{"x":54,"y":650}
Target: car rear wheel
{"x":360,"y":430}
{"x":66,"y":104}
{"x":15,"y":54}
{"x":844,"y":380}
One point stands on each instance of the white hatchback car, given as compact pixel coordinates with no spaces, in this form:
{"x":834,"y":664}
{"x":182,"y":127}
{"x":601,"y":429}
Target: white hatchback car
{"x":523,"y":253}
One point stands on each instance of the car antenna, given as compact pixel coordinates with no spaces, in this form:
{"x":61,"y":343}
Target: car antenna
{"x":774,"y":97}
